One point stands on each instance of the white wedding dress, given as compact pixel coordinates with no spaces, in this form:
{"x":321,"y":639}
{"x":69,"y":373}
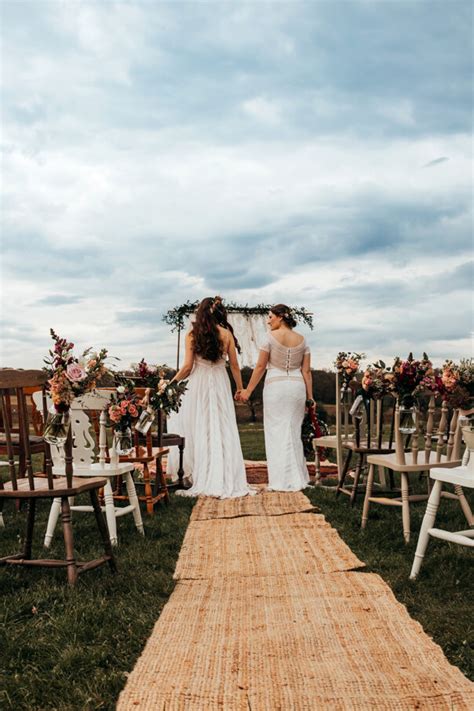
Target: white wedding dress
{"x":284,"y":400}
{"x":213,"y":459}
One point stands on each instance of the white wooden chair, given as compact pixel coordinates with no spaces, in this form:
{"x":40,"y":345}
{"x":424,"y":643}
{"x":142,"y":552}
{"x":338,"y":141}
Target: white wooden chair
{"x":344,"y":432}
{"x":411,"y":462}
{"x":87,"y":464}
{"x":462,"y":477}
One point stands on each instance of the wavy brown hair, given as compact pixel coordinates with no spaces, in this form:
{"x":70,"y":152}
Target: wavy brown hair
{"x":220,"y":313}
{"x":285,"y":312}
{"x":206,"y":341}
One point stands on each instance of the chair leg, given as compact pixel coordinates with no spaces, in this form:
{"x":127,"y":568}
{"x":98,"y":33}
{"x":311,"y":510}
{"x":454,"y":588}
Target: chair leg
{"x":180,"y":468}
{"x":382,"y":477}
{"x":466,"y":509}
{"x":356,"y":479}
{"x":30,"y":524}
{"x":161,"y":479}
{"x":110,"y":513}
{"x":133,"y":498}
{"x":428,"y":521}
{"x":148,"y":491}
{"x":99,"y":517}
{"x":344,"y":472}
{"x":368,"y":494}
{"x":68,"y":541}
{"x":317,"y":468}
{"x":405,"y":506}
{"x":52,"y":522}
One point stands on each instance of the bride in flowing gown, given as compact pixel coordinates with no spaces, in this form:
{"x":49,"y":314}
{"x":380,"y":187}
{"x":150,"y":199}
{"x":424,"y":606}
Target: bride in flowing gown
{"x":213,"y":458}
{"x":288,"y":385}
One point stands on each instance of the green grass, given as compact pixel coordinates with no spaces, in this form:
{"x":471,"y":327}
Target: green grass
{"x":72,"y":649}
{"x":251,"y":439}
{"x":65,"y":648}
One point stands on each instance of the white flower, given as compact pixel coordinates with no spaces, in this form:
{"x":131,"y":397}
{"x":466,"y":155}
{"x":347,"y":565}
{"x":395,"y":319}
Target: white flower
{"x":120,"y":389}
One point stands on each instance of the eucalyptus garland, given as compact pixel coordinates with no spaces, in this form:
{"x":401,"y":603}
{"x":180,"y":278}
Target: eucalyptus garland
{"x":176,"y":317}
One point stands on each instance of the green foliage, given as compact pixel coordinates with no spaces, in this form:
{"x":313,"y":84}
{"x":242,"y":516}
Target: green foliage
{"x":175,"y":317}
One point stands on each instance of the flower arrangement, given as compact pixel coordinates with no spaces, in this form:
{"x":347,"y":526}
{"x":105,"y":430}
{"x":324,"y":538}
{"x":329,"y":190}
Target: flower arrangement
{"x":347,"y":365}
{"x":312,"y":427}
{"x":407,"y":378}
{"x":148,"y":374}
{"x":168,"y":395}
{"x":374,"y":383}
{"x":69,"y":376}
{"x":123,"y":408}
{"x":455,"y":383}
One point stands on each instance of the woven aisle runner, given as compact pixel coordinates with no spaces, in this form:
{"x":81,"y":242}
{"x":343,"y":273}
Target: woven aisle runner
{"x":266,"y":615}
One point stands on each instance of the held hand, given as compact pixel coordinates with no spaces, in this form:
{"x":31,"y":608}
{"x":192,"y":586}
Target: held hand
{"x":237,"y":395}
{"x":244,"y":396}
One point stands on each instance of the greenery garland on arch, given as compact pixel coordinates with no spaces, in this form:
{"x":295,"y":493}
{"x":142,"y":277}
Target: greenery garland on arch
{"x":175,"y":316}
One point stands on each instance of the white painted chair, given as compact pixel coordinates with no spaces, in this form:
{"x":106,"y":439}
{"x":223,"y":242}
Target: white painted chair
{"x":463,"y":477}
{"x":87,"y":464}
{"x":407,"y":463}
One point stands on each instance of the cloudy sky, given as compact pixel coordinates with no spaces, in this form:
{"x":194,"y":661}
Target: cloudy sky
{"x":316,"y":153}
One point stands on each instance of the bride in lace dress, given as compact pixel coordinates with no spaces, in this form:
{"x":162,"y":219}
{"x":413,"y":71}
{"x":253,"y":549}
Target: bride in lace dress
{"x":288,"y":385}
{"x":213,"y":458}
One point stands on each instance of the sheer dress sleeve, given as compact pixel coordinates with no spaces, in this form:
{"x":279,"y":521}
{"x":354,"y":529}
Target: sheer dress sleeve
{"x":265,"y":344}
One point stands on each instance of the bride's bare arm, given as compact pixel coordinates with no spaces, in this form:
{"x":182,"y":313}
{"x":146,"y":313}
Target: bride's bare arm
{"x":187,"y":366}
{"x":234,"y":363}
{"x":307,"y":376}
{"x":257,"y":375}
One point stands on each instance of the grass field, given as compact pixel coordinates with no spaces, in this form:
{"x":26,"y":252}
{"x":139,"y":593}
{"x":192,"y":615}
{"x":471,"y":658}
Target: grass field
{"x":72,"y":649}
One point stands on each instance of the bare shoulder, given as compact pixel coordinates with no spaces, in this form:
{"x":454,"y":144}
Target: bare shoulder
{"x":224,"y":334}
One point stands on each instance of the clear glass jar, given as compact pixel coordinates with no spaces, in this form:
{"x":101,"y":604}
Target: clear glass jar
{"x":57,"y":426}
{"x":145,"y":421}
{"x":408,"y":413}
{"x":123,"y":441}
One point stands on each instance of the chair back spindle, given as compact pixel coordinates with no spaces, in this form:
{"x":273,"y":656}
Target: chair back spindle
{"x":429,"y":428}
{"x":442,"y":427}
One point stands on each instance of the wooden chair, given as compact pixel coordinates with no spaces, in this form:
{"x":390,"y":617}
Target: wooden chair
{"x":164,"y":440}
{"x":408,"y":462}
{"x":344,"y":432}
{"x":368,"y":439}
{"x":144,"y":454}
{"x":35,"y":438}
{"x":31,"y":487}
{"x":170,"y":439}
{"x":462,"y":477}
{"x":87,"y":463}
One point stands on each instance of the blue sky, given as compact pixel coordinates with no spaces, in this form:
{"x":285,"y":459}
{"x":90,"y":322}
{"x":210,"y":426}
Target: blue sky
{"x":315,"y":153}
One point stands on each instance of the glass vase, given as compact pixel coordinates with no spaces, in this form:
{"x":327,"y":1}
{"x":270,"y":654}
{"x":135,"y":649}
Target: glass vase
{"x":57,"y":426}
{"x":145,"y":421}
{"x":123,"y":441}
{"x":408,"y":413}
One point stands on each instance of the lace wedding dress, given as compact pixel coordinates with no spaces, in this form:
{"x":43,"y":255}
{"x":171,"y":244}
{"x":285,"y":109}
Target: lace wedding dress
{"x":213,"y":458}
{"x":284,"y":400}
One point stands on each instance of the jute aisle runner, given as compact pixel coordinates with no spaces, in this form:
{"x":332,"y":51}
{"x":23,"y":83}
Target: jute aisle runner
{"x":266,"y":615}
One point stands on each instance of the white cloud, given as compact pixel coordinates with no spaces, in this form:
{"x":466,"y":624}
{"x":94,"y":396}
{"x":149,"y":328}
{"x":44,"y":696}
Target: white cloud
{"x":263,"y":110}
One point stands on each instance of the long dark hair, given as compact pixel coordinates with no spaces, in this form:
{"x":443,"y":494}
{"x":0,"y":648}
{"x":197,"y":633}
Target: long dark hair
{"x":220,"y":313}
{"x":285,"y":312}
{"x":206,"y":341}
